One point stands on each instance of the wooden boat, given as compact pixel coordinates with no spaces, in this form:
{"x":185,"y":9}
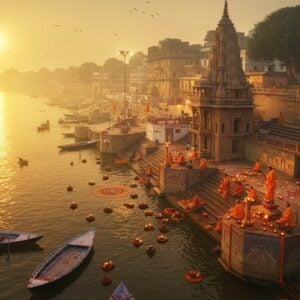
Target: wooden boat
{"x":121,"y":293}
{"x":69,"y":134}
{"x":17,"y":238}
{"x":22,"y":162}
{"x":78,"y":145}
{"x":63,"y":260}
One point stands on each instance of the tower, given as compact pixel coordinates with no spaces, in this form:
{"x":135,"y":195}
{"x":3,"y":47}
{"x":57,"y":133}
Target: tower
{"x":222,"y":105}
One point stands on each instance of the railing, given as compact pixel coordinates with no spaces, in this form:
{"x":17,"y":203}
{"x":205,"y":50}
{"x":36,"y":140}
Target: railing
{"x":276,"y":91}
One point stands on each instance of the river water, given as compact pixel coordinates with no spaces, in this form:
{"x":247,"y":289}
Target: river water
{"x":34,"y":199}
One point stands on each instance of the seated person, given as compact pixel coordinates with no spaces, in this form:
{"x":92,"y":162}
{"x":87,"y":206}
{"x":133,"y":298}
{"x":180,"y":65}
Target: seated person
{"x":203,"y":163}
{"x":238,"y":189}
{"x":219,"y":225}
{"x":149,"y":171}
{"x":257,"y":166}
{"x":196,"y":202}
{"x":181,"y":159}
{"x":170,"y":158}
{"x":288,"y":218}
{"x":238,"y":212}
{"x":252,"y":193}
{"x":195,"y":155}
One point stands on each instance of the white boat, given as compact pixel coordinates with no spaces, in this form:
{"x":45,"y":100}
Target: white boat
{"x":78,"y":145}
{"x":121,"y":293}
{"x":63,"y":260}
{"x":16,"y":238}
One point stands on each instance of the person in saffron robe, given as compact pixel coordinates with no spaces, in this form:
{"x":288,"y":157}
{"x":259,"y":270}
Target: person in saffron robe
{"x":238,"y":212}
{"x":203,"y":163}
{"x":149,"y":171}
{"x":288,"y":218}
{"x":195,"y":155}
{"x":252,"y":193}
{"x":257,"y":166}
{"x":225,"y":186}
{"x":270,"y":185}
{"x":181,"y":159}
{"x":219,"y":225}
{"x":238,"y":189}
{"x":196,"y":202}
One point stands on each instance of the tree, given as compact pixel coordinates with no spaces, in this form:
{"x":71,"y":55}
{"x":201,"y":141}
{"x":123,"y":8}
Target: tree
{"x":278,"y":37}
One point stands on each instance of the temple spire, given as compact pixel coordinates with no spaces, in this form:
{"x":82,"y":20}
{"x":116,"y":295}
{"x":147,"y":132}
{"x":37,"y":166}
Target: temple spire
{"x":225,"y":12}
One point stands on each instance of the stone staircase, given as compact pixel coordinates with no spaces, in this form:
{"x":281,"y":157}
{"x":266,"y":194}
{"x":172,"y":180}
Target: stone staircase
{"x":286,"y":132}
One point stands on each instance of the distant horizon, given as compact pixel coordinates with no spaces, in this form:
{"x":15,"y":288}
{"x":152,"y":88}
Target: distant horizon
{"x":35,"y":34}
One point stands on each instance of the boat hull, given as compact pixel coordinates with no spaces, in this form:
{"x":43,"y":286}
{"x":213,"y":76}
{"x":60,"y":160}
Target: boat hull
{"x":63,"y":261}
{"x":78,"y":146}
{"x":15,"y":238}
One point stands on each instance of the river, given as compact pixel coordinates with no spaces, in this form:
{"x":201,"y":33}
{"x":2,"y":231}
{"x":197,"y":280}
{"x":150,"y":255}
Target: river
{"x":34,"y":199}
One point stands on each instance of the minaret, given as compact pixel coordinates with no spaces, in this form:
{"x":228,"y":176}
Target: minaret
{"x":223,"y":105}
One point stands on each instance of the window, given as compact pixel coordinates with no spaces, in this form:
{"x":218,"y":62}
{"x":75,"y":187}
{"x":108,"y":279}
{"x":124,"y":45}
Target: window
{"x":223,"y":128}
{"x":236,"y":126}
{"x":235,"y":146}
{"x":247,"y":127}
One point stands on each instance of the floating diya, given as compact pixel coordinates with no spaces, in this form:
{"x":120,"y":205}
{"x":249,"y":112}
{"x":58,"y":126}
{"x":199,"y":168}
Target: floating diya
{"x":107,"y":210}
{"x":69,"y":188}
{"x":134,"y":196}
{"x":150,"y":250}
{"x":105,"y":177}
{"x":162,"y":239}
{"x":105,"y":280}
{"x":193,"y":276}
{"x":143,"y":206}
{"x":129,"y":205}
{"x":159,"y":216}
{"x":91,"y":182}
{"x":137,"y":242}
{"x":73,"y":205}
{"x":133,"y":185}
{"x":149,"y":227}
{"x":164,"y":220}
{"x":108,"y":266}
{"x":84,"y":161}
{"x":163,"y":229}
{"x":148,"y":213}
{"x":90,"y":218}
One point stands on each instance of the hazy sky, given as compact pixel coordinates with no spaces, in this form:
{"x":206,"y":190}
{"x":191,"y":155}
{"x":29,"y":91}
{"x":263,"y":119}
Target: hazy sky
{"x":30,"y":40}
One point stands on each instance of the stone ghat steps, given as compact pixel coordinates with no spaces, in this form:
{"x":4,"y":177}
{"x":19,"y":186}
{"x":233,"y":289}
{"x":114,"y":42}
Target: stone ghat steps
{"x":185,"y":140}
{"x":284,"y":131}
{"x":291,"y":286}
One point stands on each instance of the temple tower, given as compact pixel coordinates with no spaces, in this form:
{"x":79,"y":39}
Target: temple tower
{"x":222,"y":104}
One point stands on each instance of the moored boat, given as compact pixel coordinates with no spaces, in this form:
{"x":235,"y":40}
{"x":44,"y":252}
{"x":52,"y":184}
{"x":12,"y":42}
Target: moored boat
{"x":17,"y":238}
{"x":22,"y":162}
{"x":63,"y":260}
{"x":121,"y":293}
{"x":78,"y":145}
{"x":68,"y":134}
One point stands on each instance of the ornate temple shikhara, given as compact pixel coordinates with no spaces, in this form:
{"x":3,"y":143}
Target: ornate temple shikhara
{"x":222,"y":105}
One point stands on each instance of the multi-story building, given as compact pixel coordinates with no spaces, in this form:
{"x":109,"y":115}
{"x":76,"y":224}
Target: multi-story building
{"x":167,"y":63}
{"x":223,"y":107}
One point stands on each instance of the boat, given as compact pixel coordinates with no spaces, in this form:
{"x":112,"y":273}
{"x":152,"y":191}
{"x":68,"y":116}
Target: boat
{"x":17,"y":238}
{"x":121,"y":293}
{"x":78,"y":145}
{"x":68,"y":134}
{"x":22,"y":162}
{"x":44,"y":126}
{"x":63,"y":260}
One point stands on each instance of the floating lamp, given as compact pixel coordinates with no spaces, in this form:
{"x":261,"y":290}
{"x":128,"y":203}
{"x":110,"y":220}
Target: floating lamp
{"x":162,"y":239}
{"x":149,"y":227}
{"x":108,"y":266}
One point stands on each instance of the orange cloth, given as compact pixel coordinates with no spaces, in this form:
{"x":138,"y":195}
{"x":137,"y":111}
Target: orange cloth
{"x":149,"y":171}
{"x":203,"y":163}
{"x":270,"y":186}
{"x":181,"y":159}
{"x":257,"y":167}
{"x":195,"y":155}
{"x":196,"y":202}
{"x":225,"y":187}
{"x":170,"y":158}
{"x":252,"y":194}
{"x":219,"y":226}
{"x":288,"y":217}
{"x":238,"y":212}
{"x":238,"y":190}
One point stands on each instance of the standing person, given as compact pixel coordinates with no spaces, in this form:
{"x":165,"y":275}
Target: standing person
{"x":252,"y":193}
{"x":257,"y":166}
{"x":225,"y":187}
{"x":203,"y":163}
{"x":270,"y":185}
{"x":195,"y":155}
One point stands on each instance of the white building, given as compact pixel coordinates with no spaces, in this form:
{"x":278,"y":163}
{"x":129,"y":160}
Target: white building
{"x":167,"y":129}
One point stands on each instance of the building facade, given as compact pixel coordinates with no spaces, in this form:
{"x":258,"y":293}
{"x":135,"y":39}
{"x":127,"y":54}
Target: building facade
{"x":222,"y":106}
{"x":169,"y":61}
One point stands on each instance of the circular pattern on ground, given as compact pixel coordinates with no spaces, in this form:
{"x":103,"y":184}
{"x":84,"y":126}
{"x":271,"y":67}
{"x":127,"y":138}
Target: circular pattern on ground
{"x":110,"y":191}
